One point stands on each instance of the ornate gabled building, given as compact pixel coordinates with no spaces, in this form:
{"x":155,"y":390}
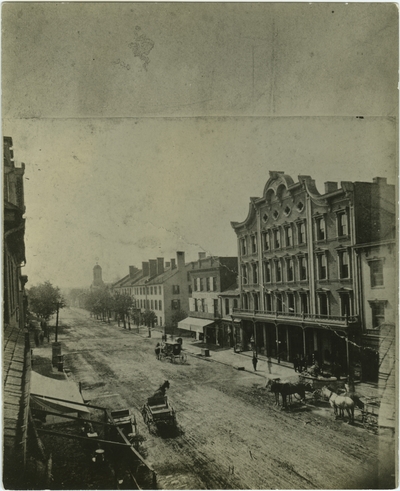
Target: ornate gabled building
{"x":299,"y":278}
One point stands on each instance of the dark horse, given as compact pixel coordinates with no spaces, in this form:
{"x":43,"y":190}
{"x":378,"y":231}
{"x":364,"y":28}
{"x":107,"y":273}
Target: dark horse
{"x":286,"y":389}
{"x":160,"y":392}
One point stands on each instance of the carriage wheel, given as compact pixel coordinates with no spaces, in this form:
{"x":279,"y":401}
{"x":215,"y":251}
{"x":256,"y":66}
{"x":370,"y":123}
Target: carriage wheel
{"x":183,"y":358}
{"x":163,"y":357}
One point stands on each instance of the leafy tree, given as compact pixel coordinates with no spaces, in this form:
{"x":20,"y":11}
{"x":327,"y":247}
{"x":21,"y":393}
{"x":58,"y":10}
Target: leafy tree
{"x":177,"y":316}
{"x":149,"y":318}
{"x":122,"y":304}
{"x":45,"y":300}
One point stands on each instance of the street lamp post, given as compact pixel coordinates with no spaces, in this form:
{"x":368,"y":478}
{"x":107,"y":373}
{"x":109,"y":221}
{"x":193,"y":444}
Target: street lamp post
{"x":57,"y":311}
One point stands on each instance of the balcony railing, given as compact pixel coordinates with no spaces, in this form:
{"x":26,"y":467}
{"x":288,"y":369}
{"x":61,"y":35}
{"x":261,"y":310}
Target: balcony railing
{"x":305,"y":317}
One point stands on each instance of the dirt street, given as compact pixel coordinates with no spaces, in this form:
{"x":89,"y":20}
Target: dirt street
{"x":232,"y":436}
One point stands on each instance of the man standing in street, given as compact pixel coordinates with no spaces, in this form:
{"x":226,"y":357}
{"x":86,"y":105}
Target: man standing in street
{"x":255,"y":361}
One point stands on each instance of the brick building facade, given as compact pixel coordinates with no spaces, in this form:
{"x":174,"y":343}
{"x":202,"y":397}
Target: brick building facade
{"x":299,"y":278}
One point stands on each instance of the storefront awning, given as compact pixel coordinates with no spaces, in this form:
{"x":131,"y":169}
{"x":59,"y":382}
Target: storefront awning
{"x":194,"y":324}
{"x":44,"y":387}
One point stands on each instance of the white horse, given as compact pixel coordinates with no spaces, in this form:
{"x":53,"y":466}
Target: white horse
{"x":339,"y":403}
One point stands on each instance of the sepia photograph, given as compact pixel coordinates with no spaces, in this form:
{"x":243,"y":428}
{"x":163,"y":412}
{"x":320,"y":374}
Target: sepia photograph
{"x":200,"y":254}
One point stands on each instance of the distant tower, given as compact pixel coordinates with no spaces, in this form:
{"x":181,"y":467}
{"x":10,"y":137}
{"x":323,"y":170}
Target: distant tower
{"x":97,"y":277}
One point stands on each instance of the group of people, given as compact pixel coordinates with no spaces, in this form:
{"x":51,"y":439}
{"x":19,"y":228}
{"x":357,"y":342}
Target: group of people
{"x":40,"y":333}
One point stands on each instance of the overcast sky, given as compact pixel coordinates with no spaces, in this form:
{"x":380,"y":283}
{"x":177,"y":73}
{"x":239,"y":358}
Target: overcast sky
{"x":145,"y":128}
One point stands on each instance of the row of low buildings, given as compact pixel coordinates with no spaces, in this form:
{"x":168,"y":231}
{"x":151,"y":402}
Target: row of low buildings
{"x":198,"y":289}
{"x":315,"y":277}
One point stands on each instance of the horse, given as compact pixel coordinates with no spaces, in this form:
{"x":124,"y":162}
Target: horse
{"x":340,"y":403}
{"x":288,"y":389}
{"x":160,"y":392}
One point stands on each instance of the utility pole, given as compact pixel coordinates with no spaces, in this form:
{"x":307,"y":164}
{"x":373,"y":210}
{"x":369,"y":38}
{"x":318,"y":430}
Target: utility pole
{"x":58,"y":308}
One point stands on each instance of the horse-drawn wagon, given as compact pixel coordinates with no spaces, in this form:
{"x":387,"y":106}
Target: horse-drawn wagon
{"x":172,"y":352}
{"x":158,"y":411}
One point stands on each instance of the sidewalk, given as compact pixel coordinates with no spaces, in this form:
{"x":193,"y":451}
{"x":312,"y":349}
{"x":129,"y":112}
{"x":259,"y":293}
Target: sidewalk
{"x":242,"y":361}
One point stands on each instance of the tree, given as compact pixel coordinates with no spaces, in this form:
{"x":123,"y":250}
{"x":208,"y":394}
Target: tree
{"x":45,"y":300}
{"x":149,"y":318}
{"x":122,"y":303}
{"x":177,"y":316}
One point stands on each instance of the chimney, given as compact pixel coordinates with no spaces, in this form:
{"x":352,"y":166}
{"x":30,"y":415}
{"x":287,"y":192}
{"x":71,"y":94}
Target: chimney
{"x":160,"y":265}
{"x":330,"y":186}
{"x":202,"y":255}
{"x":167,"y":265}
{"x":153,"y":267}
{"x":145,"y":269}
{"x":131,"y":271}
{"x":180,"y":257}
{"x":173,"y":265}
{"x":381,"y":181}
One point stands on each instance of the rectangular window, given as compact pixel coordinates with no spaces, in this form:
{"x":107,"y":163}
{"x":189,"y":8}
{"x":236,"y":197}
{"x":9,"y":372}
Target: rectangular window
{"x":376,"y":269}
{"x":243,"y":246}
{"x":190,"y":289}
{"x":378,"y":314}
{"x":213,"y":283}
{"x":198,"y":284}
{"x":253,"y":244}
{"x":342,"y":224}
{"x":208,"y":284}
{"x":290,"y":298}
{"x":215,"y":305}
{"x":244,"y":274}
{"x":235,"y":303}
{"x":175,"y":304}
{"x":301,"y":229}
{"x":277,"y":239}
{"x":268,"y":302}
{"x":288,"y":236}
{"x":289,"y":270}
{"x":304,"y":303}
{"x":267,"y":272}
{"x":302,"y":268}
{"x":345,"y":306}
{"x":320,"y":228}
{"x":196,"y":307}
{"x":344,"y":268}
{"x":159,"y":290}
{"x":175,"y":289}
{"x":323,"y":304}
{"x":279,"y":303}
{"x":151,"y":290}
{"x":278,"y":271}
{"x":255,"y":273}
{"x":322,"y":269}
{"x":203,"y":305}
{"x":267,"y":244}
{"x":151,"y":304}
{"x":227,"y":310}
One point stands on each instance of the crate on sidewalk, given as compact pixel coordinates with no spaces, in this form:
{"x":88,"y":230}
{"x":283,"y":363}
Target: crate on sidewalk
{"x":205,"y":352}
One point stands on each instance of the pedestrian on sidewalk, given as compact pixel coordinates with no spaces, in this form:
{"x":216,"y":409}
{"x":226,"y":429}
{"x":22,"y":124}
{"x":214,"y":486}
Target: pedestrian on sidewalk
{"x":255,"y":361}
{"x":269,"y":364}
